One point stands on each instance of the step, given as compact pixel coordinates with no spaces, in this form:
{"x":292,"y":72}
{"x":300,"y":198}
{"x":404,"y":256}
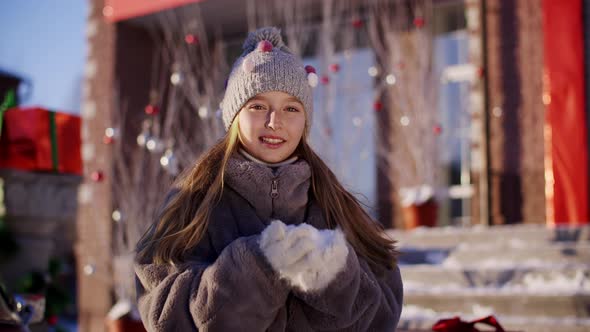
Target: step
{"x":529,"y":256}
{"x":545,"y":279}
{"x":416,"y":319}
{"x":449,"y":237}
{"x":480,"y":301}
{"x":493,"y":255}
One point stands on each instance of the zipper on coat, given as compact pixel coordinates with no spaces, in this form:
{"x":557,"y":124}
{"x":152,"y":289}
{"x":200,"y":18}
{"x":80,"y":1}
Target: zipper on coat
{"x":274,"y":189}
{"x":274,"y":193}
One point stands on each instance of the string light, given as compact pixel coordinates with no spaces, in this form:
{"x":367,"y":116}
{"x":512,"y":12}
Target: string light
{"x":203,"y":112}
{"x":405,"y":121}
{"x":176,"y":78}
{"x":154,"y":145}
{"x":89,"y":269}
{"x":109,"y":132}
{"x":390,"y":79}
{"x":373,"y":71}
{"x":357,"y":121}
{"x":169,"y":162}
{"x":116,"y":215}
{"x":142,"y":139}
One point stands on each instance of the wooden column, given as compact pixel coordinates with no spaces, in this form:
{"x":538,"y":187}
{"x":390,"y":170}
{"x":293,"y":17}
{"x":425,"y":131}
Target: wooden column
{"x":515,"y":111}
{"x":93,"y":248}
{"x":532,"y":111}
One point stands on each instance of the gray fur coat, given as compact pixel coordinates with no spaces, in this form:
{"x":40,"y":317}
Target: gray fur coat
{"x":226,"y":284}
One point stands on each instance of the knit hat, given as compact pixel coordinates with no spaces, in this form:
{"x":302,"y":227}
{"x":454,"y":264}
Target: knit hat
{"x":266,"y":64}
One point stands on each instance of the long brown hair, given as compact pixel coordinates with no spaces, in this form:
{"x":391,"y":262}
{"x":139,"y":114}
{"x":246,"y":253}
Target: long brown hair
{"x":184,"y":219}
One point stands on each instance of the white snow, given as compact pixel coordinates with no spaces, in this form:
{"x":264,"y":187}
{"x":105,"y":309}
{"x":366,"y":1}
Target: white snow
{"x":413,"y":312}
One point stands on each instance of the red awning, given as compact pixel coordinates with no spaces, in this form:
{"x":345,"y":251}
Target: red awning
{"x":118,"y":10}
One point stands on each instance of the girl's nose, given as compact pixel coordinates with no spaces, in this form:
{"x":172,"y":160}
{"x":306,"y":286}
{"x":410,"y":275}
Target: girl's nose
{"x":274,"y":120}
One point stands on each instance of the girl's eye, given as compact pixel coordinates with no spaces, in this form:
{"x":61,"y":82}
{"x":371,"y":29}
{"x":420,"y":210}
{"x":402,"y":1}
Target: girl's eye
{"x":292,"y":109}
{"x":257,"y":107}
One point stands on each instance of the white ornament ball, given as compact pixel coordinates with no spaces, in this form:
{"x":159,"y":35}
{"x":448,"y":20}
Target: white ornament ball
{"x":312,"y":79}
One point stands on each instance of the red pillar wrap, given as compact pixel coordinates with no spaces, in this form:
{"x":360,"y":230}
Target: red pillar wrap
{"x":565,"y":118}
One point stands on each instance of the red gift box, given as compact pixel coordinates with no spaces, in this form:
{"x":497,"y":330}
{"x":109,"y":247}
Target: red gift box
{"x":36,"y":139}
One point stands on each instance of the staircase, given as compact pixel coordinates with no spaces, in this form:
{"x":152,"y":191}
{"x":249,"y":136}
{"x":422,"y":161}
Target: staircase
{"x":530,"y":277}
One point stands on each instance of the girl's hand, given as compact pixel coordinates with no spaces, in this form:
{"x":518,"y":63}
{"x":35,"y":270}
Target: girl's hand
{"x":307,"y":257}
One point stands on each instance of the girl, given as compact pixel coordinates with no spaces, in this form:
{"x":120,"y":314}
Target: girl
{"x":259,"y":235}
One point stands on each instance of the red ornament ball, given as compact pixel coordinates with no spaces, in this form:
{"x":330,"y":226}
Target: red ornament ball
{"x":265,"y":46}
{"x":97,"y":176}
{"x":377,"y":106}
{"x":437,"y":130}
{"x":309,"y":69}
{"x":334,"y":67}
{"x":325,"y":80}
{"x":152,"y":109}
{"x":52,"y":320}
{"x":107,"y":140}
{"x":190,"y":39}
{"x":419,"y":22}
{"x":357,"y":23}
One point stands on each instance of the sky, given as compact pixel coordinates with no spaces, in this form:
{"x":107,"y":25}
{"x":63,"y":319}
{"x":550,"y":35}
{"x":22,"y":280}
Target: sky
{"x":44,"y":42}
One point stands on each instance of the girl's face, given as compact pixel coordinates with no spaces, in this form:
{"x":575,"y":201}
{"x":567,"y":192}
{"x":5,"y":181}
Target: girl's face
{"x":271,"y":125}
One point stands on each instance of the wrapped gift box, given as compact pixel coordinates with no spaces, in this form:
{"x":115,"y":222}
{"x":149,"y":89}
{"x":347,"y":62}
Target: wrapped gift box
{"x":36,"y":139}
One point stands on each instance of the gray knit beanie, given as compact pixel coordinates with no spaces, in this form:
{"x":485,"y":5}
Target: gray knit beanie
{"x":266,"y":64}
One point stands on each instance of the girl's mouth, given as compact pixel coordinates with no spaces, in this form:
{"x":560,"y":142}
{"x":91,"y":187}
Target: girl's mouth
{"x":272,"y":142}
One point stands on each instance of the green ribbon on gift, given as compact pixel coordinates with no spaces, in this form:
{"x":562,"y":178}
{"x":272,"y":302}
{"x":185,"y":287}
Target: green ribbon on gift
{"x":8,"y":102}
{"x":53,"y":136}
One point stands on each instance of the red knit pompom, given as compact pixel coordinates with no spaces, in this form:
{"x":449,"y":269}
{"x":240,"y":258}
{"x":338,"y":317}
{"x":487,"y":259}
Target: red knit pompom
{"x":265,"y":46}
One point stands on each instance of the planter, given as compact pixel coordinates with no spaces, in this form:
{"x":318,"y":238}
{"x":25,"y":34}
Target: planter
{"x":124,"y":316}
{"x":125,"y":324}
{"x":420,"y":215}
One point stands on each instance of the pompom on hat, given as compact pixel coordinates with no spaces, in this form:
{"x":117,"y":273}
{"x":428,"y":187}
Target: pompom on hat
{"x":266,"y":64}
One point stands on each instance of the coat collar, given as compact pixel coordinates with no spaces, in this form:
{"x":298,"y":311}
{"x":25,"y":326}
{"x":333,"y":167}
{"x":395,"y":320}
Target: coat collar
{"x":254,"y":182}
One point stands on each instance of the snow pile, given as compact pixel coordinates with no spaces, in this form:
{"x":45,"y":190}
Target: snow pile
{"x":413,"y":312}
{"x":416,"y":195}
{"x":558,"y":282}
